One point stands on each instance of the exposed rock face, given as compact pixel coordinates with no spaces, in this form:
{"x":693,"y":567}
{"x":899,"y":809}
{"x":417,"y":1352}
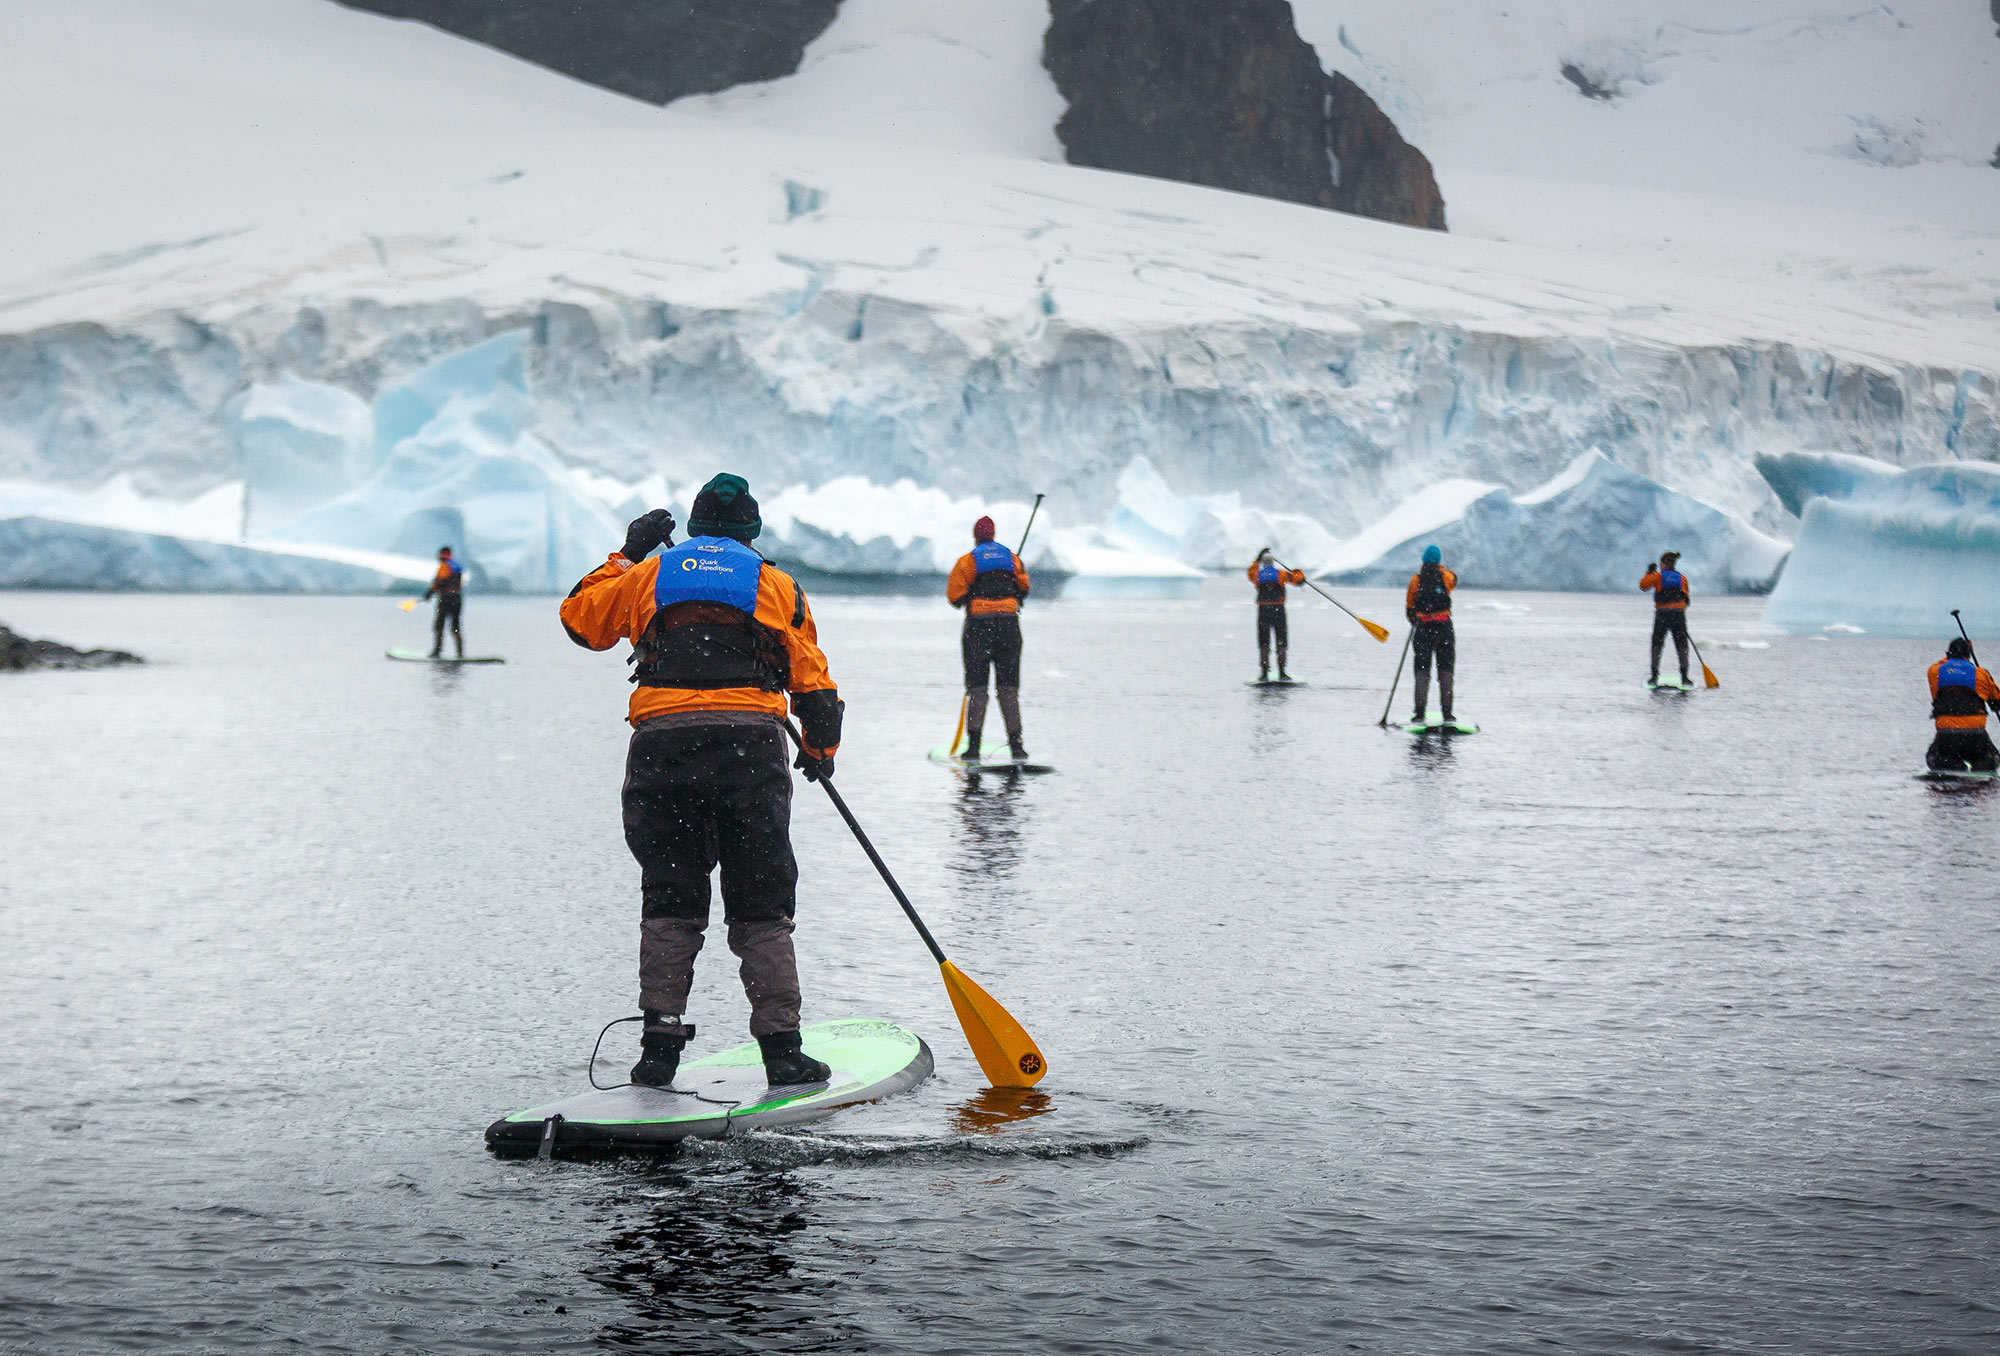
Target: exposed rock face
{"x":1226,"y":93}
{"x":18,"y":652}
{"x":657,"y":50}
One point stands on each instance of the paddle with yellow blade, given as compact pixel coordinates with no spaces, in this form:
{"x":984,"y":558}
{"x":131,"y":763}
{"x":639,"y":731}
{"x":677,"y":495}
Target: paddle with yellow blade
{"x":408,"y":605}
{"x":1006,"y":1053}
{"x":959,"y":733}
{"x":1380,"y":633}
{"x":1708,"y":678}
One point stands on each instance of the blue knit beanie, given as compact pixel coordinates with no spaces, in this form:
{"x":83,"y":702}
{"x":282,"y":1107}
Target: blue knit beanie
{"x":1432,"y":555}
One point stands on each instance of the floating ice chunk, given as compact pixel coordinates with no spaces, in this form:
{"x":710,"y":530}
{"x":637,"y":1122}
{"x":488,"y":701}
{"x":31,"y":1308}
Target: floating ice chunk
{"x":50,"y":553}
{"x":1591,"y":527}
{"x":1892,"y":550}
{"x":1419,"y":515}
{"x":851,"y":525}
{"x":1843,"y":629}
{"x":299,"y":444}
{"x":1209,"y":531}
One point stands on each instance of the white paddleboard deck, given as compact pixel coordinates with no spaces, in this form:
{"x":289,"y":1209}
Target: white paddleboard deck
{"x":1274,"y":682}
{"x":422,"y":657}
{"x":725,"y":1093}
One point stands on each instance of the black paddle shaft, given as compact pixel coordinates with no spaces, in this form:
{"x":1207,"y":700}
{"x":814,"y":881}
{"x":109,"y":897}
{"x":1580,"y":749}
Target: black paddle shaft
{"x":873,"y":856}
{"x":1024,"y":540}
{"x":1961,"y":631}
{"x":1397,"y":681}
{"x":1317,"y":589}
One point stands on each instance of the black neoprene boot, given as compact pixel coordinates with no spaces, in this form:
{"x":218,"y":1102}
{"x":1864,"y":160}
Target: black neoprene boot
{"x":659,"y":1055}
{"x":1016,"y":749}
{"x":786,"y":1063}
{"x":972,"y":744}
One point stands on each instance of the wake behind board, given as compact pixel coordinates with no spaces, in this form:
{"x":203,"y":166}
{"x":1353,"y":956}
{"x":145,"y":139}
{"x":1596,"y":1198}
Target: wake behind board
{"x":992,"y":758}
{"x":1436,"y":724}
{"x":1962,"y":776}
{"x":1274,"y":682}
{"x":724,"y":1093}
{"x":419,"y":657}
{"x":1669,"y":685}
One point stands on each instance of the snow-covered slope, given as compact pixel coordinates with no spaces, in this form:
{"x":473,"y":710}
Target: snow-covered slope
{"x":234,"y":194}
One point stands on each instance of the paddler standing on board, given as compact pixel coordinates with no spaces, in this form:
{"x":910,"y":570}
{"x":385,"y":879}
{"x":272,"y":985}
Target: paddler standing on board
{"x":1427,"y":606}
{"x":1669,"y":588}
{"x":1270,"y":581}
{"x":719,"y":637}
{"x":989,"y":582}
{"x":448,"y":587}
{"x":1960,"y":693}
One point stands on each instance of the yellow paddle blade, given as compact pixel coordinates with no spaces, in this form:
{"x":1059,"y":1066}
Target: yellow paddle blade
{"x":1708,"y":677}
{"x":1006,"y":1054}
{"x":408,"y":605}
{"x":1380,"y":633}
{"x":959,"y":733}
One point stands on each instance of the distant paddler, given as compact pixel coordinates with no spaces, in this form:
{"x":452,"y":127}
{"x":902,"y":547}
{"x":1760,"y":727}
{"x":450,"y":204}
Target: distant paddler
{"x":1270,"y":579}
{"x":990,"y":582}
{"x":448,"y":587}
{"x":1960,"y":693}
{"x":1427,"y":606}
{"x":1669,"y":588}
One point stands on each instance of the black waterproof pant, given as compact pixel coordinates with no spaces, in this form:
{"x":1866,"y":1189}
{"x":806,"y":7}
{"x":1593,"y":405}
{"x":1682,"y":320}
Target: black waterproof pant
{"x":991,"y":643}
{"x":701,"y":790}
{"x":1670,"y":621}
{"x":1962,"y":751}
{"x":1271,"y":626}
{"x":447,"y":614}
{"x":1435,"y":642}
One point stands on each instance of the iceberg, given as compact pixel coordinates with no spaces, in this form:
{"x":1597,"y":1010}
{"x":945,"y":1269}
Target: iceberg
{"x":1592,"y":527}
{"x":51,"y":553}
{"x":1887,"y":550}
{"x":456,"y":464}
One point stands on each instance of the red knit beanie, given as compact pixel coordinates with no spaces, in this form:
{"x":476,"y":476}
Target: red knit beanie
{"x":983,"y":530}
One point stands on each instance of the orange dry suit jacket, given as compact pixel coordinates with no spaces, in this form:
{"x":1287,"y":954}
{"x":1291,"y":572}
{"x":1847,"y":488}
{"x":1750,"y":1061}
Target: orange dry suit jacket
{"x":1292,"y":577}
{"x":958,"y":588}
{"x":1982,"y":688}
{"x":1410,"y":597}
{"x":616,"y":602}
{"x":1650,"y":583}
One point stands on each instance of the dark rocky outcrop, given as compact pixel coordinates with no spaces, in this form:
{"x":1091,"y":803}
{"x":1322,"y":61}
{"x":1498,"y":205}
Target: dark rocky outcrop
{"x":656,"y":50}
{"x":1226,"y":93}
{"x":18,"y":653}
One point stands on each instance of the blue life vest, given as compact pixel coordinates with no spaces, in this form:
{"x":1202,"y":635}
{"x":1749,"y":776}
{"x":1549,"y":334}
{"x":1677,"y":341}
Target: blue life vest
{"x":1270,"y":584}
{"x":1672,"y":589}
{"x":1958,"y":690}
{"x":993,"y":572}
{"x":704,"y":634}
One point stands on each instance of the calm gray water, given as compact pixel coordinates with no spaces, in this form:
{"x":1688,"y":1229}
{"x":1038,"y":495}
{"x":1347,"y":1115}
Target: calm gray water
{"x":1633,"y":1023}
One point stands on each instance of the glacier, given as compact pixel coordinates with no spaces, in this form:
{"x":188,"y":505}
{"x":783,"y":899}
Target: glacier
{"x":884,"y":336}
{"x":1885,"y":549}
{"x":1591,"y":528}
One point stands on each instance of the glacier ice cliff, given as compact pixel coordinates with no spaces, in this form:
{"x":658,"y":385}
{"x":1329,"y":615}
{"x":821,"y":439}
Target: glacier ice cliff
{"x":1592,"y":528}
{"x":1887,"y":549}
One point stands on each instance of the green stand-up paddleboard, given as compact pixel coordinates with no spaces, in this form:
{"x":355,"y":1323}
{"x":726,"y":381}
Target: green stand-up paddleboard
{"x":992,"y":758}
{"x":1436,"y":724}
{"x":421,"y":657}
{"x":724,"y":1093}
{"x":1669,"y":685}
{"x":1964,"y":776}
{"x":1274,"y":682}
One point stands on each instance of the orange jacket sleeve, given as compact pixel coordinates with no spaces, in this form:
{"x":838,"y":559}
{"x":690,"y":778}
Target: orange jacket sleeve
{"x":781,"y":606}
{"x":613,"y":602}
{"x":1649,"y":581}
{"x":1021,"y":575}
{"x":1294,"y":577}
{"x":960,"y":582}
{"x":1251,"y":573}
{"x":1410,"y":595}
{"x":1983,"y":685}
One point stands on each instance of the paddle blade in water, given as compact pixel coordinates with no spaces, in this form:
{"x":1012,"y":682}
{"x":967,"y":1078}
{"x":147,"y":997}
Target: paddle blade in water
{"x":408,"y":605}
{"x":959,"y":733}
{"x":1708,"y":678}
{"x":1006,"y":1054}
{"x":1380,"y":633}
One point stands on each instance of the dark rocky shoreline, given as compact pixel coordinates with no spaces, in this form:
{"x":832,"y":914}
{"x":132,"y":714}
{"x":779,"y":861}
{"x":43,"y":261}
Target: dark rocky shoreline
{"x":18,"y":653}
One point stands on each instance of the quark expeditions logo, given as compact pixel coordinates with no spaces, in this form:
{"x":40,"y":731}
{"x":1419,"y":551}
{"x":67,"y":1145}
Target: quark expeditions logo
{"x":1031,"y":1064}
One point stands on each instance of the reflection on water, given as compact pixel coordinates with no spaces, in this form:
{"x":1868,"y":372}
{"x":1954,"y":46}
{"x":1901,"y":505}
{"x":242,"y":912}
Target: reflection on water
{"x":991,"y":1110}
{"x":707,"y":1252}
{"x":989,"y":827}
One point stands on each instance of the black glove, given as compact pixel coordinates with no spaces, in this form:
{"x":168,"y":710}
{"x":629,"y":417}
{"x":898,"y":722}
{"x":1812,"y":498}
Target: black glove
{"x":646,"y":532}
{"x":1653,"y":568}
{"x":816,"y":769}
